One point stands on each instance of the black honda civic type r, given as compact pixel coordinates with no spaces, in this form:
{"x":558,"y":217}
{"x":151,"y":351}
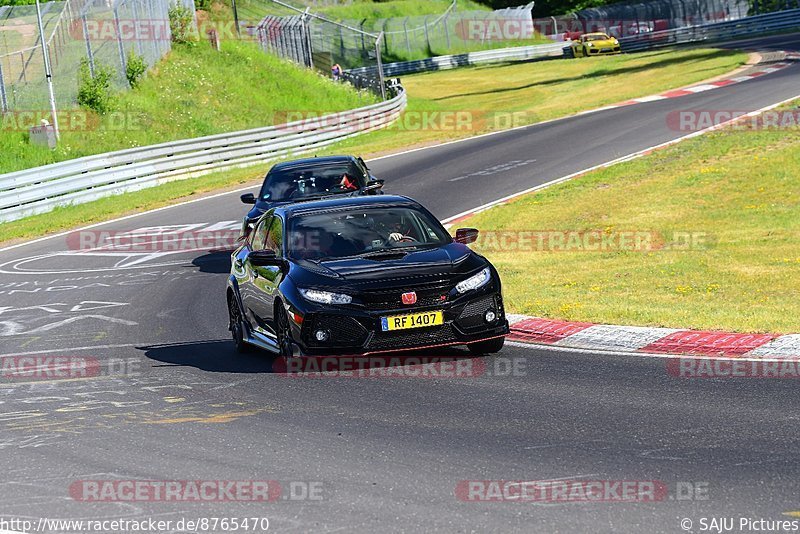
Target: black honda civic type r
{"x":361,"y":275}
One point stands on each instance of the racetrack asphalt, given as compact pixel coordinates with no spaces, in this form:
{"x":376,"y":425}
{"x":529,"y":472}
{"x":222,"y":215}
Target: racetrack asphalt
{"x":387,"y":452}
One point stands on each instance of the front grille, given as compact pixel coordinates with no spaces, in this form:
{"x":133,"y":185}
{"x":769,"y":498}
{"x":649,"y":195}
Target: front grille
{"x":472,"y":316}
{"x":393,"y":300}
{"x":345,"y":331}
{"x":412,"y":338}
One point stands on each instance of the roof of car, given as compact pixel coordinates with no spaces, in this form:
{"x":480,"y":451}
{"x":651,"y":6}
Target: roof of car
{"x":359,"y":201}
{"x":595,"y":33}
{"x":313,"y":161}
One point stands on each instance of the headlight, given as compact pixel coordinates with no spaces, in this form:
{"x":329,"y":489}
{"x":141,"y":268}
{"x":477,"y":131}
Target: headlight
{"x":616,"y":42}
{"x":590,"y":45}
{"x":474,"y":282}
{"x":325,"y":297}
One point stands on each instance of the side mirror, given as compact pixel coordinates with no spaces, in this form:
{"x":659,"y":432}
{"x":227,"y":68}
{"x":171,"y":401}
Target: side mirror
{"x":373,"y":185}
{"x":466,"y":235}
{"x":264,"y":258}
{"x":248,"y":198}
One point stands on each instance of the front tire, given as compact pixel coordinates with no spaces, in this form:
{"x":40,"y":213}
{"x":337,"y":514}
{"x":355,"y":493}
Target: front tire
{"x":490,"y":346}
{"x":237,"y":326}
{"x":284,"y":332}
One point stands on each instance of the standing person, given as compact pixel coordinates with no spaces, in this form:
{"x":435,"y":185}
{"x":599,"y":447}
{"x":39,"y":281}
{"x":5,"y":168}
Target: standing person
{"x":336,"y":72}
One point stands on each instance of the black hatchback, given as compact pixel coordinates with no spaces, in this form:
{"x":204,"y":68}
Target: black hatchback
{"x":361,"y":275}
{"x":311,"y":179}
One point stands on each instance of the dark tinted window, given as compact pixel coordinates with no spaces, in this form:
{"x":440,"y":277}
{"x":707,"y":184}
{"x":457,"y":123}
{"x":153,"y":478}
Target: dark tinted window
{"x":352,"y":232}
{"x":259,"y":236}
{"x":312,"y":180}
{"x":274,"y":239}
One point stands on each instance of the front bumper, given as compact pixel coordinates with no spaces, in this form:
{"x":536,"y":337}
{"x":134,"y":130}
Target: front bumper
{"x":605,"y":51}
{"x":356,"y":331}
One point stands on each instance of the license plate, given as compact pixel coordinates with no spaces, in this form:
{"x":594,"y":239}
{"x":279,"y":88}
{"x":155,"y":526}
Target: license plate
{"x":413,"y":320}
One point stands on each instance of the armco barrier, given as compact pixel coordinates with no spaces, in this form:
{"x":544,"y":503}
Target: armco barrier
{"x":517,"y":53}
{"x":76,"y":181}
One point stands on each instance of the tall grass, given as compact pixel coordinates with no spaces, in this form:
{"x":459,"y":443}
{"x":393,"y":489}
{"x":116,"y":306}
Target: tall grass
{"x":194,"y":92}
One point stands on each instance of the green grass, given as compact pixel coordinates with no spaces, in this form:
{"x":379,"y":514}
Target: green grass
{"x":389,"y":16}
{"x":736,"y":190}
{"x":194,"y":92}
{"x":368,"y":9}
{"x":496,"y":97}
{"x":670,"y":69}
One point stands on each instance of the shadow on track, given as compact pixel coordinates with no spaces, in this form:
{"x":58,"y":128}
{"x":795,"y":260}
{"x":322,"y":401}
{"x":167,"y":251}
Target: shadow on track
{"x":219,"y":356}
{"x":214,"y":356}
{"x":216,"y":262}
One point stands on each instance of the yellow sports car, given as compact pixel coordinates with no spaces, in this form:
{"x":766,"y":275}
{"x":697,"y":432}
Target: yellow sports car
{"x":593,"y":44}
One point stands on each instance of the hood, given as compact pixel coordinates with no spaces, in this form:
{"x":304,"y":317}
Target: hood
{"x":451,"y":261}
{"x":603,"y":43}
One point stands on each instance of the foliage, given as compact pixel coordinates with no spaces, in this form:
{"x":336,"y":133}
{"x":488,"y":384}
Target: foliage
{"x":94,"y":92}
{"x":181,"y":24}
{"x":135,"y":68}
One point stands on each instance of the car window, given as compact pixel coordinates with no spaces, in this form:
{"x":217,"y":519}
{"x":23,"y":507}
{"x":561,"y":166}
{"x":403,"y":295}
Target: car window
{"x":259,"y":237}
{"x":274,"y":237}
{"x":312,"y":180}
{"x":352,"y":232}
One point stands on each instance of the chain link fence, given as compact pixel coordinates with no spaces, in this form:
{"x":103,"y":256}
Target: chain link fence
{"x":299,"y":35}
{"x":317,"y":42}
{"x":630,"y":19}
{"x":104,"y":32}
{"x":452,"y":32}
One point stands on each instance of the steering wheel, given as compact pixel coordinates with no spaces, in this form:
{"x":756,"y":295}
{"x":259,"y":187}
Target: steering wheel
{"x":405,"y":239}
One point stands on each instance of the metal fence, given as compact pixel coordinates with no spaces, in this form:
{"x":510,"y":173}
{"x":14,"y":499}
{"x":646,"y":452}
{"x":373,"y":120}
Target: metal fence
{"x":314,"y":40}
{"x":409,"y":38}
{"x":41,"y":189}
{"x":715,"y":32}
{"x":517,"y":53}
{"x":300,"y":38}
{"x":104,"y":32}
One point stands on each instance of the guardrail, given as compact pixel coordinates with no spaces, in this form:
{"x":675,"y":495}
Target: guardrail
{"x":715,"y":31}
{"x":517,"y":53}
{"x":76,"y":181}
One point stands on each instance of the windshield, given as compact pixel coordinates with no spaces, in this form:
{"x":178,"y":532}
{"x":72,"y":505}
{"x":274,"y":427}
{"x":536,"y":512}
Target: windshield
{"x":369,"y":231}
{"x":596,"y":37}
{"x":312,"y":180}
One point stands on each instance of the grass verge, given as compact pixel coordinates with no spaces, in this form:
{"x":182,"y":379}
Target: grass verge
{"x":423,"y":101}
{"x":491,"y":97}
{"x":195,"y":92}
{"x":735,"y":192}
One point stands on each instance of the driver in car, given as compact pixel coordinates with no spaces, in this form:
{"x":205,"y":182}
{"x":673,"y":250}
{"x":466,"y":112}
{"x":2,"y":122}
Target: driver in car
{"x":395,"y":230}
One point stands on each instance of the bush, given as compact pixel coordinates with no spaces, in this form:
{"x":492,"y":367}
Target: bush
{"x":94,"y":92}
{"x":181,"y":24}
{"x":205,"y":5}
{"x":135,"y":68}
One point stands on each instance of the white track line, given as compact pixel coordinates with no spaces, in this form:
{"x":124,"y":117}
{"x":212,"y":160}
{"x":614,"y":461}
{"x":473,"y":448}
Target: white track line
{"x":393,"y":155}
{"x":623,"y":159}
